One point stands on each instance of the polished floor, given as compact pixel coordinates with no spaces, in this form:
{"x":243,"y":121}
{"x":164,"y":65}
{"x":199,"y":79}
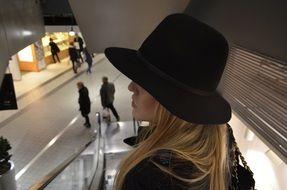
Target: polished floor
{"x":48,"y":128}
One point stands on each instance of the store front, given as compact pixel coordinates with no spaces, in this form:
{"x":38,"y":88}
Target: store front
{"x":62,"y":39}
{"x":37,"y":56}
{"x":31,"y":58}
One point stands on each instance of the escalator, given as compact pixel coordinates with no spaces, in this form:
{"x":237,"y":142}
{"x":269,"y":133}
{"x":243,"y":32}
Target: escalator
{"x":94,"y":165}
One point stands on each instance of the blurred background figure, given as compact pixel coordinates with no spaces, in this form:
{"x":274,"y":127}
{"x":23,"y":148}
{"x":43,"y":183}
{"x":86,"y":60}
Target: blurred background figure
{"x":74,"y":57}
{"x":54,"y":50}
{"x":88,"y":59}
{"x":84,"y":102}
{"x":107,"y":93}
{"x":79,"y":45}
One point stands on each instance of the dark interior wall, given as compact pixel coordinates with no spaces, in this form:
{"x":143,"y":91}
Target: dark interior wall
{"x":3,"y":48}
{"x":21,"y":24}
{"x":122,"y":23}
{"x":258,"y":25}
{"x":56,"y":7}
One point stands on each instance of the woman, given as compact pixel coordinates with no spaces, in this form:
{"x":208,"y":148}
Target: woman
{"x":88,"y":59}
{"x":73,"y":57}
{"x":174,"y":78}
{"x":84,"y":102}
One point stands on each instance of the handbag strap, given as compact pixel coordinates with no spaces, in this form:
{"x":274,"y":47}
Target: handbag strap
{"x":236,"y":156}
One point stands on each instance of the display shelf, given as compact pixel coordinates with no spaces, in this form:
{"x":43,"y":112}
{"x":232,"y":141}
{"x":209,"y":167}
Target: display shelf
{"x":62,"y":39}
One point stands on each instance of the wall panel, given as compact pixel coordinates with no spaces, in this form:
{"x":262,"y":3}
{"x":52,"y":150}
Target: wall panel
{"x":123,"y":23}
{"x":258,"y":25}
{"x":21,"y":25}
{"x":256,"y":88}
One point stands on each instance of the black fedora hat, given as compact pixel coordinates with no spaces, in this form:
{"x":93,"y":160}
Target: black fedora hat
{"x":180,"y":64}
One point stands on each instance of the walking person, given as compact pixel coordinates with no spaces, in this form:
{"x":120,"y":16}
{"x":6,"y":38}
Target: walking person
{"x":107,"y":93}
{"x":73,"y":57}
{"x":174,"y":76}
{"x":88,"y":59}
{"x":79,"y":45}
{"x":54,"y":50}
{"x":84,"y":102}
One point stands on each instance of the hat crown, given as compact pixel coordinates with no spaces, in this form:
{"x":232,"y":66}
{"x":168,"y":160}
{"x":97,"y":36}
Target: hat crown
{"x":180,"y":64}
{"x":188,"y":52}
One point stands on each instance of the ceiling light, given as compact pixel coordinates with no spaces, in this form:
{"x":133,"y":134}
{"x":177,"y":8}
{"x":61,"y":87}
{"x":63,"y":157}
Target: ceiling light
{"x":72,"y":32}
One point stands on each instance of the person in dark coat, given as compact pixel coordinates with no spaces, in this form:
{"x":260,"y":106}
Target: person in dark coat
{"x":89,"y":60}
{"x":84,"y":102}
{"x":175,"y":74}
{"x":54,"y":50}
{"x":107,"y":93}
{"x":79,"y":44}
{"x":73,"y":56}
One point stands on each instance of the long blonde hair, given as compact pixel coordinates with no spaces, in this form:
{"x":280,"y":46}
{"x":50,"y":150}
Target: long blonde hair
{"x":203,"y":145}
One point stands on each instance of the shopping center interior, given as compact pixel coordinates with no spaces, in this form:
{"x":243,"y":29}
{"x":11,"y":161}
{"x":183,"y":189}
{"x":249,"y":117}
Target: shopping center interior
{"x":47,"y":128}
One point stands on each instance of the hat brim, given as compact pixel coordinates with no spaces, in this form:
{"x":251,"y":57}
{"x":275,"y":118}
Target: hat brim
{"x":191,"y":107}
{"x":131,"y":141}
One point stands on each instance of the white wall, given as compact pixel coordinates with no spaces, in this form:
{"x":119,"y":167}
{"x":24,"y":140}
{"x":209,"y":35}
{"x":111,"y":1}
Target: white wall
{"x":21,"y":23}
{"x":122,"y":23}
{"x":270,"y":172}
{"x":14,"y":69}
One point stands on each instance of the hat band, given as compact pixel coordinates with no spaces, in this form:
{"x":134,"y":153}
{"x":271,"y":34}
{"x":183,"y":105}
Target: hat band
{"x":171,"y":79}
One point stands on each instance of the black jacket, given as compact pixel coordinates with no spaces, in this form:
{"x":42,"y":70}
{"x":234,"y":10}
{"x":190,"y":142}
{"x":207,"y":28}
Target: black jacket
{"x":147,"y":176}
{"x":88,"y":56}
{"x":84,"y":101}
{"x":73,"y":53}
{"x":54,"y":48}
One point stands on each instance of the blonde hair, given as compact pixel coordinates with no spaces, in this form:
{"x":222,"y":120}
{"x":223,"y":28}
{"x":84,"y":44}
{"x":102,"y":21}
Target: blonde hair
{"x":205,"y":146}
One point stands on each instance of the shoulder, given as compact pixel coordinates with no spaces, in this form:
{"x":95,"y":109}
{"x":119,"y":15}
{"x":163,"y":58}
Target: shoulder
{"x":86,"y":89}
{"x":103,"y":86}
{"x":147,"y":174}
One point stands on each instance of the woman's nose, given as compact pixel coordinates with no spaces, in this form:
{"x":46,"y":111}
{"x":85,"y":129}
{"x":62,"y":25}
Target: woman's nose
{"x":132,"y":86}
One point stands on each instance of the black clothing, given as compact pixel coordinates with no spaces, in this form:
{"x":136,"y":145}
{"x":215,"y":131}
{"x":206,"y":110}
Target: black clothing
{"x":84,"y":100}
{"x":85,"y":103}
{"x":146,"y":175}
{"x":114,"y":111}
{"x":79,"y":47}
{"x":73,"y":53}
{"x":54,"y":47}
{"x":54,"y":51}
{"x":87,"y":122}
{"x":89,"y":60}
{"x":55,"y":55}
{"x":179,"y":86}
{"x":74,"y":58}
{"x":80,"y":41}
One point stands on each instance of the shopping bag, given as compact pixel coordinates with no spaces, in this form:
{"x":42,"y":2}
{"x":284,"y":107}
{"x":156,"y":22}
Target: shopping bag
{"x":106,"y":113}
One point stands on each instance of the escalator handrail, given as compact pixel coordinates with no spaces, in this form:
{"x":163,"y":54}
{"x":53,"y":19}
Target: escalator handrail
{"x":46,"y":180}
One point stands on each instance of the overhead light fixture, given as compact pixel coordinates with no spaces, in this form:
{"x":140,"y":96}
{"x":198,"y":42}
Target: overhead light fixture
{"x":72,"y":32}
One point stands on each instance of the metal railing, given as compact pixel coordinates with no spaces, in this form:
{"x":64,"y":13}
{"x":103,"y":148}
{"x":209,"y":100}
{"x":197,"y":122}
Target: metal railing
{"x":97,"y":169}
